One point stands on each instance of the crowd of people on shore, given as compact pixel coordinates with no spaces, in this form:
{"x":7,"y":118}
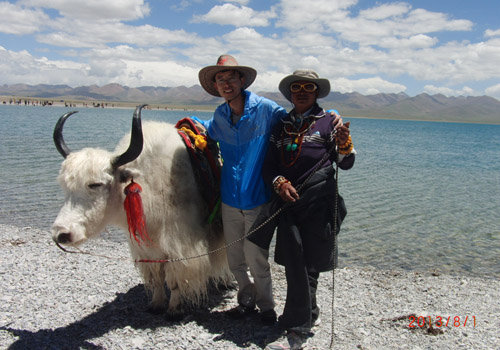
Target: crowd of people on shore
{"x":85,"y":104}
{"x":44,"y":103}
{"x":27,"y":102}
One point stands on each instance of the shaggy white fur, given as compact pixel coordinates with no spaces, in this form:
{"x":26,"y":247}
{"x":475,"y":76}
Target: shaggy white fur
{"x":174,"y":210}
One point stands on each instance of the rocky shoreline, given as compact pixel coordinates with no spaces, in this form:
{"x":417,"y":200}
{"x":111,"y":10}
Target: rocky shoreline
{"x":54,"y":300}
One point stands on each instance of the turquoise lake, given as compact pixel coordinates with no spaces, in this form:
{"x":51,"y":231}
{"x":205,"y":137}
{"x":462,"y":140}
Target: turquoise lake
{"x":422,"y":196}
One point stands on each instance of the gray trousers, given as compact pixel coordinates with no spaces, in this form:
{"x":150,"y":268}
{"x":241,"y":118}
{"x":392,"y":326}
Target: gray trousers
{"x":247,"y":261}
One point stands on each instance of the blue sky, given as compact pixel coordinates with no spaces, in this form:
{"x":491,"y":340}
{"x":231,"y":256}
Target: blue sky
{"x":439,"y":46}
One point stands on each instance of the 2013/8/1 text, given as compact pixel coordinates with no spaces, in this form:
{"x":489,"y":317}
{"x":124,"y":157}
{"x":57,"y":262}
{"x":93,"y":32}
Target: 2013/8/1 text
{"x":442,"y":321}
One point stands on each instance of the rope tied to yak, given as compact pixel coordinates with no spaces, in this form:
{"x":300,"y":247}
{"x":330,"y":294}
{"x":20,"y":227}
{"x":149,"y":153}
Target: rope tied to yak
{"x":268,"y":220}
{"x":134,"y":191}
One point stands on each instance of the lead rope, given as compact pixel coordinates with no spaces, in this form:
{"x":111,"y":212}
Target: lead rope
{"x":269,"y":219}
{"x":335,"y":218}
{"x":318,"y":166}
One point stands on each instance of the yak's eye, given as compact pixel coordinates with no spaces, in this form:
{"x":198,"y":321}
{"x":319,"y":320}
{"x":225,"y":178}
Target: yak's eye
{"x":95,"y":185}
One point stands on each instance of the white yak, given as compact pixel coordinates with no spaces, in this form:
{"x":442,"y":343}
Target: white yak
{"x":156,"y":158}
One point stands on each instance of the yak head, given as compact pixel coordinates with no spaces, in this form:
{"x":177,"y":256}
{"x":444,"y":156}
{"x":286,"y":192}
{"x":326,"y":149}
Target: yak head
{"x":92,"y":180}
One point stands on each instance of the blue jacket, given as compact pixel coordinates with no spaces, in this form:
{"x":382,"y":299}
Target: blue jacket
{"x":243,"y":148}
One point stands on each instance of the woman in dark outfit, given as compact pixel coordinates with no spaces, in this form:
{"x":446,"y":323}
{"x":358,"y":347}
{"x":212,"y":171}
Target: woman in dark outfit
{"x":305,"y":235}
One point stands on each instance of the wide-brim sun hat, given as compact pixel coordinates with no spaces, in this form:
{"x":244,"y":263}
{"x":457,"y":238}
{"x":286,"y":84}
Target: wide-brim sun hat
{"x":224,"y":62}
{"x":304,"y":75}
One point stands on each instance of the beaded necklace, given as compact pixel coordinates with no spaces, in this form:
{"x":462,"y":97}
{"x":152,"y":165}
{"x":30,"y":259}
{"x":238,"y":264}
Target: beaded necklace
{"x":296,"y":134}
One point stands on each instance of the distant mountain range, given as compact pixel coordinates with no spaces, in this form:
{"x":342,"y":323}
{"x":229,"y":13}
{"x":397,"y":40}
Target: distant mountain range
{"x":479,"y":109}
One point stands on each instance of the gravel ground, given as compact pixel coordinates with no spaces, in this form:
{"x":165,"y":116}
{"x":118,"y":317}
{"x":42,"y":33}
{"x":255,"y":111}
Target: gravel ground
{"x":53,"y":300}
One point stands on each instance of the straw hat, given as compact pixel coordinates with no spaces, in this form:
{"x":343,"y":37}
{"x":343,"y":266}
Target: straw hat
{"x":304,"y":75}
{"x":224,"y":62}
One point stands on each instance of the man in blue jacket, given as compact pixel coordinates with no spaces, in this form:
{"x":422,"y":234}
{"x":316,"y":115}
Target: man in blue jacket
{"x":242,"y":126}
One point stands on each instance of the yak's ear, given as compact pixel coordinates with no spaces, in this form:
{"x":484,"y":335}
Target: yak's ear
{"x":127,"y":174}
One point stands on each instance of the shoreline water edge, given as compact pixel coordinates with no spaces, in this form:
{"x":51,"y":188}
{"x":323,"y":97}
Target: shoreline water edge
{"x":54,"y":300}
{"x":31,"y":101}
{"x":96,"y":104}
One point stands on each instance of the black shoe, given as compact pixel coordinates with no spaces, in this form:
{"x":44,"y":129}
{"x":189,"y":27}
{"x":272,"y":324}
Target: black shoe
{"x":241,"y":311}
{"x":268,"y":318}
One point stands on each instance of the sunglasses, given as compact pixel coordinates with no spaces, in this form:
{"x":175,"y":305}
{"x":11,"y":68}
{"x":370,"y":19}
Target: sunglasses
{"x":308,"y":87}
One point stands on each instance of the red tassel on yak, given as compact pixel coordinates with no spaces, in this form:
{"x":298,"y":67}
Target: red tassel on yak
{"x":135,"y":213}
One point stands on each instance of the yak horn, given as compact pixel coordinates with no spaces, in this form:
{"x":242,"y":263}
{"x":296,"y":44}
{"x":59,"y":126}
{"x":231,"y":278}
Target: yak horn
{"x":58,"y":137}
{"x":136,"y":141}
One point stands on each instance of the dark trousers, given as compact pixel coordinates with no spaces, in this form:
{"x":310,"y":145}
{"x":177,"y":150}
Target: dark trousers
{"x":301,"y":309}
{"x":306,"y":239}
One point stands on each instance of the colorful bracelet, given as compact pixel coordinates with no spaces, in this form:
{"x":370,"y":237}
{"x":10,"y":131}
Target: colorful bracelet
{"x":280,"y":180}
{"x":347,"y":147}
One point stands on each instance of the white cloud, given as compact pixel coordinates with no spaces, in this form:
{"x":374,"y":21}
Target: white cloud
{"x":128,"y":68}
{"x":254,"y":49}
{"x":460,"y":62}
{"x":107,"y":68}
{"x":490,"y":32}
{"x":383,"y":25}
{"x":68,"y":40}
{"x":308,"y":43}
{"x":452,"y":63}
{"x":385,"y":11}
{"x":22,"y":67}
{"x":79,"y":33}
{"x":94,"y":10}
{"x":240,"y":2}
{"x":267,"y":81}
{"x":310,"y":61}
{"x":297,"y":15}
{"x":414,"y":24}
{"x":464,"y":91}
{"x":166,"y":73}
{"x":415,"y":42}
{"x":423,"y":21}
{"x":243,"y":34}
{"x":19,"y":20}
{"x":181,"y":5}
{"x":125,"y":52}
{"x":368,"y":86}
{"x":493,"y":91}
{"x":237,"y":16}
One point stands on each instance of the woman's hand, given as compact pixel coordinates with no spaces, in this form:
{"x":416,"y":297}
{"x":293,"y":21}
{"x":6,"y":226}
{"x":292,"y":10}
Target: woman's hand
{"x":337,"y":119}
{"x":342,"y":130}
{"x":288,"y":192}
{"x":342,"y":133}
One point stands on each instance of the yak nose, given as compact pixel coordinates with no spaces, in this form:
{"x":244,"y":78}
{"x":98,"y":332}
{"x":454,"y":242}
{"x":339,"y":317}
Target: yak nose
{"x":63,"y":238}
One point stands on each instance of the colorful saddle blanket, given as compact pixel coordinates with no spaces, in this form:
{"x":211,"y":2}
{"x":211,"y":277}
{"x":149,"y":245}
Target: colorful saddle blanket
{"x":206,"y":161}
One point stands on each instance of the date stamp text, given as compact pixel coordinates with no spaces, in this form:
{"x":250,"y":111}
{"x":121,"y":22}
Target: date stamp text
{"x":441,"y":321}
